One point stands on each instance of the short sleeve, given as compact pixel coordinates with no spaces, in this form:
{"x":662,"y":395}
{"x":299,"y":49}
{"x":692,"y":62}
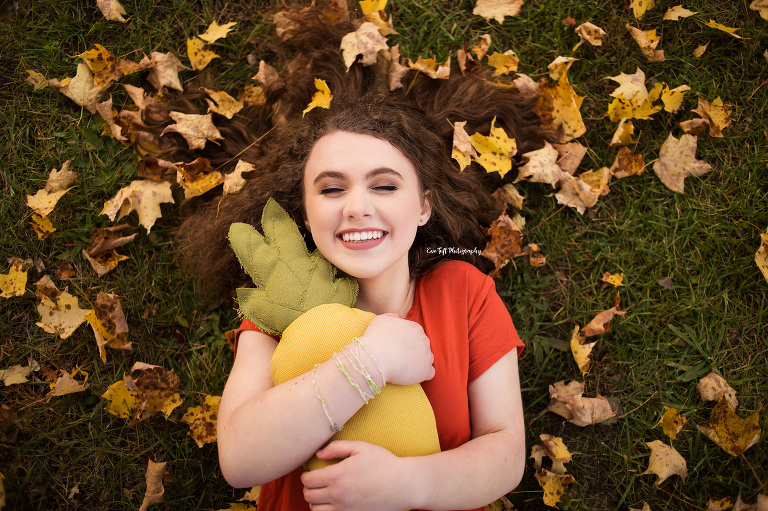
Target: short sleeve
{"x":491,"y":331}
{"x":247,"y":324}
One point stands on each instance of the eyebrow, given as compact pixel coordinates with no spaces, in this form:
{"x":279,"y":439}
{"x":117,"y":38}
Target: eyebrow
{"x":340,"y":175}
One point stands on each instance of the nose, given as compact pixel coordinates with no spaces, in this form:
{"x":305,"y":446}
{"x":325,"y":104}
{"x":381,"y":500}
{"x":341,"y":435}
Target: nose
{"x":358,"y":204}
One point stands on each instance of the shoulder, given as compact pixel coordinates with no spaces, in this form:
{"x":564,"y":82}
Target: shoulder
{"x":457,"y":273}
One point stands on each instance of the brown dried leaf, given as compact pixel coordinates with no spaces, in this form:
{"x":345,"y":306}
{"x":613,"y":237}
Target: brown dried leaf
{"x":508,"y":194}
{"x":716,"y":114}
{"x":576,"y":193}
{"x":627,"y":164}
{"x":677,"y":160}
{"x":505,"y":243}
{"x":365,"y":41}
{"x":144,"y":197}
{"x":541,"y":167}
{"x":111,"y":9}
{"x":558,"y":107}
{"x":66,"y":383}
{"x":155,"y":489}
{"x":648,"y":41}
{"x":108,"y":323}
{"x":462,"y":152}
{"x":570,"y":156}
{"x":166,"y":71}
{"x":602,"y":322}
{"x":732,"y":433}
{"x":195,"y":128}
{"x":560,"y":66}
{"x":197,"y":177}
{"x":665,"y":461}
{"x":202,"y":420}
{"x":234,"y":181}
{"x":713,"y":387}
{"x":82,"y":89}
{"x":760,"y":6}
{"x":567,"y":401}
{"x":267,"y":76}
{"x":590,"y":33}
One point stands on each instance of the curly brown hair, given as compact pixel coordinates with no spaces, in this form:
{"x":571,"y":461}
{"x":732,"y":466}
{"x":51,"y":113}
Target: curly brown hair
{"x":418,"y":122}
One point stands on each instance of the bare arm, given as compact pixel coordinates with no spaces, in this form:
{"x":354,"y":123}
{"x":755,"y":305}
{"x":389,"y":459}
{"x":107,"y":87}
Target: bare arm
{"x":266,"y":431}
{"x":470,"y":476}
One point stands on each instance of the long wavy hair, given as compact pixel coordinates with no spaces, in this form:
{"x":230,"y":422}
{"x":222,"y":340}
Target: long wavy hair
{"x":277,"y":140}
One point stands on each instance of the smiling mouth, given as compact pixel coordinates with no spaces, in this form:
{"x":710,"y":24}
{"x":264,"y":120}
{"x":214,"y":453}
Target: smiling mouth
{"x":361,"y":237}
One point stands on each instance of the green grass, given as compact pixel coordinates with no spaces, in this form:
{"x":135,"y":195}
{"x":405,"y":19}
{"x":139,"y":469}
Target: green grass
{"x":714,"y":319}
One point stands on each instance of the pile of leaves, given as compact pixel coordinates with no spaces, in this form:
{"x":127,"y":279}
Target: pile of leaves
{"x":557,"y":169}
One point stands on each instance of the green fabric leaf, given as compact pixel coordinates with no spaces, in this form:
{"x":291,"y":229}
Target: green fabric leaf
{"x":289,"y":280}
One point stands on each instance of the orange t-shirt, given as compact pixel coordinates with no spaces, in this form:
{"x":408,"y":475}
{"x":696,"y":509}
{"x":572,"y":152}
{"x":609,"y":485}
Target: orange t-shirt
{"x":469,"y":328}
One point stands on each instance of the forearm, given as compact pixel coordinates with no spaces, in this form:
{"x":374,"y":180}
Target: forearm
{"x":277,"y":430}
{"x":469,"y":476}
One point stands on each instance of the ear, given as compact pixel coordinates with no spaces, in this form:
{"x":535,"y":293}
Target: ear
{"x":306,"y":224}
{"x":426,"y":207}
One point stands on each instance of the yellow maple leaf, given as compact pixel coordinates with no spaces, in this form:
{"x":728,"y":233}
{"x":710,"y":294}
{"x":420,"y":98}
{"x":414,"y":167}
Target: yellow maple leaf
{"x":631,"y":87}
{"x":371,"y":6}
{"x":503,"y":63}
{"x":13,"y":283}
{"x":700,"y":49}
{"x":365,"y":41}
{"x":42,"y":225}
{"x":198,"y":177}
{"x":462,"y":151}
{"x":199,"y":57}
{"x":559,"y":66}
{"x":195,"y":128}
{"x":673,"y":98}
{"x":82,"y":89}
{"x":202,"y":420}
{"x":122,"y":398}
{"x":554,"y":486}
{"x":716,"y":114}
{"x":497,"y":9}
{"x":556,"y":451}
{"x":665,"y":461}
{"x":671,"y":422}
{"x":558,"y":107}
{"x":253,"y":95}
{"x":320,"y":99}
{"x":640,"y":6}
{"x":627,"y":164}
{"x":541,"y":166}
{"x":430,"y":67}
{"x":761,"y":256}
{"x":677,"y":12}
{"x":648,"y":41}
{"x":111,"y":9}
{"x":144,"y":197}
{"x":677,"y":161}
{"x":581,"y":351}
{"x":494,"y":150}
{"x":102,"y":64}
{"x":166,"y":71}
{"x":589,"y":33}
{"x":597,"y":179}
{"x":108,"y":323}
{"x":616,"y":279}
{"x":727,"y":30}
{"x":59,"y":310}
{"x":37,"y":80}
{"x":223,"y":103}
{"x":732,"y":433}
{"x":623,"y":135}
{"x":216,"y":31}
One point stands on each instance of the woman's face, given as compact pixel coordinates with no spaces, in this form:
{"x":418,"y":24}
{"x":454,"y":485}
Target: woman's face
{"x":363,"y":204}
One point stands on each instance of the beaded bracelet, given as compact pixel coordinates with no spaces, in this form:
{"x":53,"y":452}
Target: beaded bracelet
{"x":360,"y":368}
{"x":352,"y":382}
{"x":334,"y":427}
{"x":359,"y":342}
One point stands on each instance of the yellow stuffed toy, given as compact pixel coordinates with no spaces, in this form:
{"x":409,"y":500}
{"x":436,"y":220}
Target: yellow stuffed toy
{"x":299,"y":297}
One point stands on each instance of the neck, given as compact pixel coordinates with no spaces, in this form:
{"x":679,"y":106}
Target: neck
{"x":381,"y":295}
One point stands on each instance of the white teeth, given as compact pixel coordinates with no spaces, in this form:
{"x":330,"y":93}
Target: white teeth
{"x":362,"y":236}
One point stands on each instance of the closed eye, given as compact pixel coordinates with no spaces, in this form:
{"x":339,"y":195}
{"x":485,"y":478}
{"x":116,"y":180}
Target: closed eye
{"x":387,"y":188}
{"x":327,"y":191}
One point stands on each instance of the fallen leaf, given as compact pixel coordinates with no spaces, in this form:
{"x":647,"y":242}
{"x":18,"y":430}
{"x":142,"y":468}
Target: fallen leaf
{"x":673,"y":98}
{"x":541,"y":167}
{"x":640,"y":6}
{"x":697,"y":126}
{"x":37,"y":80}
{"x":671,"y":422}
{"x":677,"y":12}
{"x":365,"y":41}
{"x":560,"y":66}
{"x":602,"y":322}
{"x":677,"y":160}
{"x":497,"y":9}
{"x":122,"y":398}
{"x":397,"y":70}
{"x":195,"y":128}
{"x":59,"y":311}
{"x":723,"y":28}
{"x":253,"y":95}
{"x":732,"y":433}
{"x":713,"y":388}
{"x":589,"y":33}
{"x":666,"y":283}
{"x":42,"y":226}
{"x":430,"y":68}
{"x":111,"y":9}
{"x":495,"y":150}
{"x":665,"y":461}
{"x":202,"y":420}
{"x":481,"y":48}
{"x":197,"y":177}
{"x":567,"y":401}
{"x":503,"y":504}
{"x":223,"y":103}
{"x":199,"y":58}
{"x":371,"y":6}
{"x":577,"y":194}
{"x":166,"y":71}
{"x":155,"y":489}
{"x":18,"y":373}
{"x":535,"y":257}
{"x":723,"y":504}
{"x":234,"y":181}
{"x":597,"y":180}
{"x":581,"y":351}
{"x":108,"y":323}
{"x":558,"y":107}
{"x":616,"y":280}
{"x":216,"y":31}
{"x":82,"y":89}
{"x":716,"y":114}
{"x":66,"y":383}
{"x":503,"y":63}
{"x":623,"y":134}
{"x":700,"y":49}
{"x":760,"y":505}
{"x":320,"y":99}
{"x":128,"y":67}
{"x":13,"y":283}
{"x":267,"y":75}
{"x":557,"y":452}
{"x":631,"y":87}
{"x":508,"y":194}
{"x":158,"y":392}
{"x":648,"y":41}
{"x":462,"y":151}
{"x":110,"y":117}
{"x":102,"y":64}
{"x":505,"y":243}
{"x":144,"y":197}
{"x":645,"y":507}
{"x":570,"y":156}
{"x":760,"y":6}
{"x":554,"y":486}
{"x":761,"y":256}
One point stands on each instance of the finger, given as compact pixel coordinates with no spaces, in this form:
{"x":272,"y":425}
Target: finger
{"x":338,"y":449}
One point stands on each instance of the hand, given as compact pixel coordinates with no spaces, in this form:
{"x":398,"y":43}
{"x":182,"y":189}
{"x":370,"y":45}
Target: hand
{"x":367,"y":478}
{"x":401,"y":349}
